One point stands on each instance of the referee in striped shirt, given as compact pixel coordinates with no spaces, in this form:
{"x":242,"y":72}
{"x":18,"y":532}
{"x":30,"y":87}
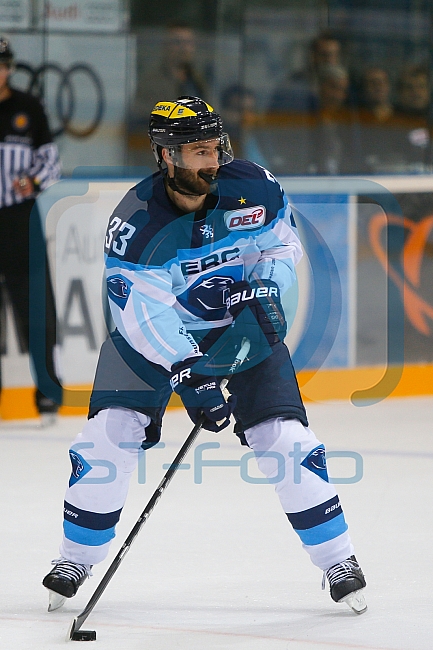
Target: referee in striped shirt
{"x":29,"y":162}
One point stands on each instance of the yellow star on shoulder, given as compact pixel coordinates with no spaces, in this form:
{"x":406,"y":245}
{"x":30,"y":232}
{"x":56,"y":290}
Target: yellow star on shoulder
{"x":242,"y":201}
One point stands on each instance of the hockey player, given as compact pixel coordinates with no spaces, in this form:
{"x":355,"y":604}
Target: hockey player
{"x":29,"y":162}
{"x":198,"y":256}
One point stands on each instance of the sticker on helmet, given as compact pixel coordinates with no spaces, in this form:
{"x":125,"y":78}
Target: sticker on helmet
{"x":181,"y":111}
{"x":163,"y":108}
{"x":173,"y":110}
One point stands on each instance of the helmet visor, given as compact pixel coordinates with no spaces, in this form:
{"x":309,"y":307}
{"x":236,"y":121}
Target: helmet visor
{"x":203,"y":154}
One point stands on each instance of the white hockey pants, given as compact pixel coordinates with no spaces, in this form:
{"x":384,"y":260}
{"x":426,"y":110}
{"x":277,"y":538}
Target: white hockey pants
{"x":110,"y":444}
{"x":288,"y":451}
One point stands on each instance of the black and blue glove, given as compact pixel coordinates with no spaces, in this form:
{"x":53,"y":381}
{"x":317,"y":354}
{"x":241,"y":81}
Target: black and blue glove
{"x":201,"y":394}
{"x":265,"y":314}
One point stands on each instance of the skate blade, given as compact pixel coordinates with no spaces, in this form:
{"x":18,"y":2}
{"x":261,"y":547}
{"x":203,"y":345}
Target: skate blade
{"x":355,"y":601}
{"x":55,"y":600}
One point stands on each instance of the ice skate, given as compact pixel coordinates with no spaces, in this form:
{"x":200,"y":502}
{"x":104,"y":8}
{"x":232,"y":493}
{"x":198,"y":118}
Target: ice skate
{"x":64,"y":580}
{"x":346,"y":582}
{"x":47,"y":420}
{"x":48,"y":410}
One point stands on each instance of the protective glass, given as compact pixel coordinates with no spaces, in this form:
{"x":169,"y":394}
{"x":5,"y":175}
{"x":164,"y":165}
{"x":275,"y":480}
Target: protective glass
{"x":202,"y":154}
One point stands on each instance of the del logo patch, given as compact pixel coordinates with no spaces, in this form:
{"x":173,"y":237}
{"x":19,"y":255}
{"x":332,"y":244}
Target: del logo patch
{"x":245,"y":218}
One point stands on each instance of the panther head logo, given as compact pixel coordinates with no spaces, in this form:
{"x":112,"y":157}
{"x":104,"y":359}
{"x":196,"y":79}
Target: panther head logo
{"x":317,"y":458}
{"x":211,"y":293}
{"x":117,"y":287}
{"x":77,"y":464}
{"x":207,"y":297}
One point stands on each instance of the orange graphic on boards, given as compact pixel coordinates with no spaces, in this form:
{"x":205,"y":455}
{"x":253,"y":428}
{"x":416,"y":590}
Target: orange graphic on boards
{"x":416,"y":308}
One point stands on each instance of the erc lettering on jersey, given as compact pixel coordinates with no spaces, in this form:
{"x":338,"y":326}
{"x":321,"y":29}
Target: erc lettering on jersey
{"x":208,"y":262}
{"x":245,"y":218}
{"x":256,"y":292}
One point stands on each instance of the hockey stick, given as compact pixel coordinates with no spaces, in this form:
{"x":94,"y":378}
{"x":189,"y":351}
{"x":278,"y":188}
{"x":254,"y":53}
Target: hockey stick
{"x":79,"y":620}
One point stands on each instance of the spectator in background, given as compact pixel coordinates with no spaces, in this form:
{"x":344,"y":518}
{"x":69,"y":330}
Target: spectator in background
{"x":301,"y":90}
{"x":238,"y":105}
{"x":294,"y":112}
{"x":29,"y":163}
{"x":239,"y":112}
{"x":413,"y":113}
{"x":376,"y":95}
{"x":333,"y":89}
{"x":179,"y":65}
{"x":334,"y":124}
{"x":414,"y":92}
{"x":380,"y":140}
{"x":325,"y":50}
{"x":176,"y":74}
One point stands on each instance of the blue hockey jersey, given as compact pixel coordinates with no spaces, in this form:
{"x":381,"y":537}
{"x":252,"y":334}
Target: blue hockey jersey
{"x":168,"y":273}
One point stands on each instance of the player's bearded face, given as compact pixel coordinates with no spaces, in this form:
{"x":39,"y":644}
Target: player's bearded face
{"x":189,"y":180}
{"x":194,"y":161}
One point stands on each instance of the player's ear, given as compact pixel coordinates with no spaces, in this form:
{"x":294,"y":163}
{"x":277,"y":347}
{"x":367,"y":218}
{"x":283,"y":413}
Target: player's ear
{"x":166,"y":155}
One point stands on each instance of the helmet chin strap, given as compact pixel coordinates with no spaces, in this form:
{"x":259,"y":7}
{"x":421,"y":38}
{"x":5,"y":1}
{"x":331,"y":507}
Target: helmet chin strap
{"x":209,"y":178}
{"x":171,"y":180}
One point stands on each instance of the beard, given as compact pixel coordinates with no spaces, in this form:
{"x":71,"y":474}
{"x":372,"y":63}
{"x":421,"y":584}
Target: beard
{"x":189,"y":181}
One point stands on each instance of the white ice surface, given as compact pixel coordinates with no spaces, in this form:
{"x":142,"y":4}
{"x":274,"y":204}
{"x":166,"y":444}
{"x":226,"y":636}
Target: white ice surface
{"x":217,"y":565}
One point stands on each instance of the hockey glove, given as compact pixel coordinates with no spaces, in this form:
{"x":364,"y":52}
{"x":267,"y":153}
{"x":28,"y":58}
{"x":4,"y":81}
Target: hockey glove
{"x":265,"y":312}
{"x":202,"y":394}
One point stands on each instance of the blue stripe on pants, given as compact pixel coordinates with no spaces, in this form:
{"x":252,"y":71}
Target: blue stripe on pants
{"x":87,"y":536}
{"x":323,"y":532}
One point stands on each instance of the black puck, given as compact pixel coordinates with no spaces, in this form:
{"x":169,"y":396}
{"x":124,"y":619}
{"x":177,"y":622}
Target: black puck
{"x":84,"y":635}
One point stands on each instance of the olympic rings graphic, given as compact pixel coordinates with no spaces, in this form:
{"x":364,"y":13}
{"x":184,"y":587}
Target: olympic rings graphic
{"x":65,"y":96}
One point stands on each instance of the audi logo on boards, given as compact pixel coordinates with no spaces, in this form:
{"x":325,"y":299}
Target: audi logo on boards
{"x":74,"y":98}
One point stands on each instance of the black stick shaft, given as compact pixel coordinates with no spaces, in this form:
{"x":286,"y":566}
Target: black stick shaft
{"x":79,"y":620}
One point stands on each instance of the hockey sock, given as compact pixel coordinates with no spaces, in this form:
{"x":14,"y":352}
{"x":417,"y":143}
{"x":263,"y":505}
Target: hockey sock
{"x":288,"y":450}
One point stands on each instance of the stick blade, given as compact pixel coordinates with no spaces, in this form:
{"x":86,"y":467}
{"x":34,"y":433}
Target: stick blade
{"x":75,"y":627}
{"x":72,"y":628}
{"x":84,"y":635}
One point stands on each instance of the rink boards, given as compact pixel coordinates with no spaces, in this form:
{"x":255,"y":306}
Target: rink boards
{"x":361,"y":317}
